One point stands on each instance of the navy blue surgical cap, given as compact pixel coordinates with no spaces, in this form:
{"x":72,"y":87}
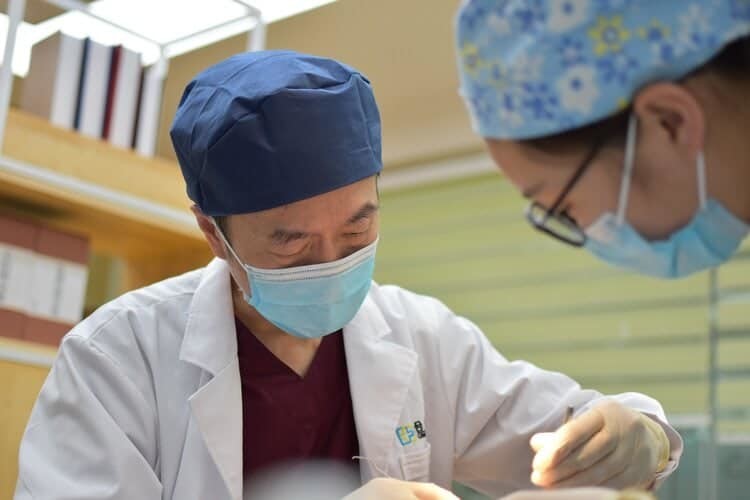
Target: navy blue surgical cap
{"x":264,"y":129}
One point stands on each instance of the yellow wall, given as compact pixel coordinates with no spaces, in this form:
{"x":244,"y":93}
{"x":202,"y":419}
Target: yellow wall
{"x":404,"y":48}
{"x":21,"y":384}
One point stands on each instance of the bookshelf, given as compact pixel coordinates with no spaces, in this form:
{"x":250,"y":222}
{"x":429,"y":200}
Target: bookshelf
{"x":27,"y":353}
{"x":132,"y":208}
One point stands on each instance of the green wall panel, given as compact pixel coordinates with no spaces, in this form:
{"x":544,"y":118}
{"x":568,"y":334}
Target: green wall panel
{"x":467,"y":243}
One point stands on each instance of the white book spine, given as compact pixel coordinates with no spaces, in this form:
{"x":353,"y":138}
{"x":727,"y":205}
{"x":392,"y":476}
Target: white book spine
{"x":65,"y":90}
{"x":148,"y":123}
{"x":126,"y":97}
{"x":95,"y":85}
{"x":16,"y":271}
{"x":59,"y":289}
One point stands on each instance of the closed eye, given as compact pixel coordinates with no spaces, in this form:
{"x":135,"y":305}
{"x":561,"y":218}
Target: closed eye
{"x":358,"y":233}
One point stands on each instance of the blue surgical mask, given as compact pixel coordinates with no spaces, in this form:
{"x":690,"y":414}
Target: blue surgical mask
{"x":311,"y":301}
{"x":709,"y":239}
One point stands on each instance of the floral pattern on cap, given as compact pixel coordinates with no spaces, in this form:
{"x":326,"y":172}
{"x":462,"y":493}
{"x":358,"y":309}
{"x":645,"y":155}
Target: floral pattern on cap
{"x":531,"y":68}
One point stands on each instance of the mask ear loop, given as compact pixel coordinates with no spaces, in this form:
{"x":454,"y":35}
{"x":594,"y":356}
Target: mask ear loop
{"x":627,"y":171}
{"x":700,"y":166}
{"x":234,"y":254}
{"x":226,"y":243}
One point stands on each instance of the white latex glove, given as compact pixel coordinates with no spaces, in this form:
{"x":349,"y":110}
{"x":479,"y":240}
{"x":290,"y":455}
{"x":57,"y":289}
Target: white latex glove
{"x":383,"y":488}
{"x":579,"y":494}
{"x":610,"y":445}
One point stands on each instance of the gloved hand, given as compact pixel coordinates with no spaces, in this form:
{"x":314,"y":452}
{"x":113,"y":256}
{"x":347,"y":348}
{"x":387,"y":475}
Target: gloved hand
{"x":610,"y":445}
{"x":393,"y":489}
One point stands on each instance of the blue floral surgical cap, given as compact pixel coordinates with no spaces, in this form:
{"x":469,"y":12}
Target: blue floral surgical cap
{"x":531,"y":68}
{"x":264,"y":129}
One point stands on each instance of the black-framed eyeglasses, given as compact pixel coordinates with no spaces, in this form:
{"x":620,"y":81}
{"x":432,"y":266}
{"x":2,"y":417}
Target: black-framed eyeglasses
{"x":556,"y":223}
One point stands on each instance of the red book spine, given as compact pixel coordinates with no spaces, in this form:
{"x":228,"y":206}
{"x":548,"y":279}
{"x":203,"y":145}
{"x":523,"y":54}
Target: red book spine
{"x":114,"y":69}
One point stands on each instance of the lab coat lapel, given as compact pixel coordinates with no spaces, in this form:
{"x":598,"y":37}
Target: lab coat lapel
{"x":380,"y":374}
{"x":217,"y":410}
{"x":211,"y":343}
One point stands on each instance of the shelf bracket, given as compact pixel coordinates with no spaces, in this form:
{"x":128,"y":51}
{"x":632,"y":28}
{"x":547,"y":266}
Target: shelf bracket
{"x":16,"y":10}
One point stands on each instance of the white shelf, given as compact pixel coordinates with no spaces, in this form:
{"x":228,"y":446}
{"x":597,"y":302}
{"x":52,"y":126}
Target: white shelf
{"x":27,"y":353}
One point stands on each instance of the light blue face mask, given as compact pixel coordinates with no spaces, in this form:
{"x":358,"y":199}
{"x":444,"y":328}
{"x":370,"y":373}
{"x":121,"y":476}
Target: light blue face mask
{"x":709,"y":239}
{"x":311,"y":301}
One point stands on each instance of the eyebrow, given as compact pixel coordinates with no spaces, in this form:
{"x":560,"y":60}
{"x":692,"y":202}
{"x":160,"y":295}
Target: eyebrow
{"x":282,"y":236}
{"x":533,"y":190}
{"x":364,"y":212}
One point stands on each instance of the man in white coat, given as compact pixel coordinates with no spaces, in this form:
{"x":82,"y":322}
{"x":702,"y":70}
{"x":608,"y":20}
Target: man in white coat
{"x":283,"y":348}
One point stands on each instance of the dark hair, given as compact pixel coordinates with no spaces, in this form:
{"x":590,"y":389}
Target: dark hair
{"x":221,"y":221}
{"x":732,"y":62}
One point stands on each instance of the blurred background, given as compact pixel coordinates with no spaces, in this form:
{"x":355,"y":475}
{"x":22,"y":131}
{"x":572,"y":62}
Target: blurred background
{"x":452,"y":228}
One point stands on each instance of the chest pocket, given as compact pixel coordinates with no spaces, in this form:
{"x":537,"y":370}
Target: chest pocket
{"x":415,"y":463}
{"x":411,"y":438}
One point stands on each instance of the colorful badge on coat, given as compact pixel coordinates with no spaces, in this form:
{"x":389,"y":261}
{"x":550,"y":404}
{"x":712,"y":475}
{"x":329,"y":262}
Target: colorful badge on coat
{"x":406,"y":434}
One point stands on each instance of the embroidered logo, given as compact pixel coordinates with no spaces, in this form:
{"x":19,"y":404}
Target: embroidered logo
{"x":407,"y":433}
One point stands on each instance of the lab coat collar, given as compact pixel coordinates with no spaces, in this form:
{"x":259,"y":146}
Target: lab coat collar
{"x":217,"y":410}
{"x":380,"y":374}
{"x":369,"y":320}
{"x":210,"y":340}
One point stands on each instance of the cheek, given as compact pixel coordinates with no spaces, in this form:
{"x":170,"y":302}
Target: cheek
{"x":524,"y":178}
{"x":519,"y":177}
{"x":659,"y":209}
{"x":595,"y":194}
{"x":512,"y":165}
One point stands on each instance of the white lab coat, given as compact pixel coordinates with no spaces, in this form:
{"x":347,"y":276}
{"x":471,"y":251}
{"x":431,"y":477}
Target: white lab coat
{"x":144,"y":399}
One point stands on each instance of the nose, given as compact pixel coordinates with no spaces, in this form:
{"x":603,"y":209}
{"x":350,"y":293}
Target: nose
{"x":329,"y":250}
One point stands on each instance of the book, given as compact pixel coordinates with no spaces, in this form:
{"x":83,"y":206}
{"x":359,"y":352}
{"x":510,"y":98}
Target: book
{"x":94,"y":85}
{"x":149,"y":108}
{"x":60,"y":274}
{"x":17,"y":239}
{"x":137,"y":122}
{"x":125,"y":99}
{"x":50,"y":89}
{"x":81,"y":81}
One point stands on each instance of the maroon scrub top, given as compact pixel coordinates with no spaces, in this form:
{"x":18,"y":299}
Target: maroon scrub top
{"x":290,"y":418}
